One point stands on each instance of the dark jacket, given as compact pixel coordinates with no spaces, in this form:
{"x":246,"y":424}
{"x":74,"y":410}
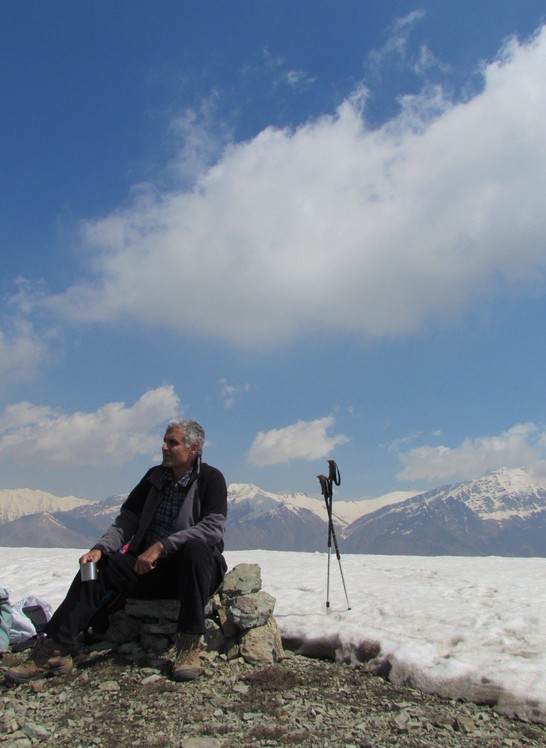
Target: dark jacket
{"x":202,"y":515}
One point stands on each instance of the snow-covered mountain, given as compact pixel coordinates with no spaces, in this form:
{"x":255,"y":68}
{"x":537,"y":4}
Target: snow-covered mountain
{"x":17,"y":502}
{"x":256,"y":519}
{"x":502,"y":513}
{"x":500,"y":494}
{"x":259,"y":502}
{"x":77,"y":527}
{"x":291,"y":521}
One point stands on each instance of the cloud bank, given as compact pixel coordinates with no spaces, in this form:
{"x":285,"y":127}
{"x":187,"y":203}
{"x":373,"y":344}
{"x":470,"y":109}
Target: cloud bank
{"x":399,"y":227}
{"x":112,"y":435}
{"x":304,"y":440}
{"x":521,"y":445}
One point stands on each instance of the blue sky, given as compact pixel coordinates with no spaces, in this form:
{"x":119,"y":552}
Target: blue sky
{"x":318,"y":228}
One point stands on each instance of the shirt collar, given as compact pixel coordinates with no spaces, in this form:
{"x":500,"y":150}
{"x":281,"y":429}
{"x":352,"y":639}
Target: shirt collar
{"x":184,"y":481}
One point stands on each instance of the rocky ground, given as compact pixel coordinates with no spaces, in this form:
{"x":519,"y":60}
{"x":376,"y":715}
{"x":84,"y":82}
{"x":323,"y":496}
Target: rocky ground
{"x":110,"y":701}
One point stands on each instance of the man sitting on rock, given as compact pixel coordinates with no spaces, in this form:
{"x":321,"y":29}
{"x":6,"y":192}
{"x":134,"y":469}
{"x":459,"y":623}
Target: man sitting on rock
{"x":166,"y":542}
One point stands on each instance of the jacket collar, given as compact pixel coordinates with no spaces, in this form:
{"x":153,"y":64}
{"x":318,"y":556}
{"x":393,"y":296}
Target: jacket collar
{"x":156,"y":477}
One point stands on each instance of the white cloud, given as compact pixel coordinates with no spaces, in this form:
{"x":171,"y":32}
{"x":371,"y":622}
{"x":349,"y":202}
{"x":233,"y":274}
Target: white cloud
{"x":203,"y":136}
{"x":24,"y":347}
{"x":298,"y":78}
{"x":396,"y":46}
{"x":22,"y":351}
{"x":304,"y":440}
{"x":522,"y":445}
{"x":230,"y":394}
{"x":402,"y":441}
{"x":335,"y":226}
{"x":112,"y":435}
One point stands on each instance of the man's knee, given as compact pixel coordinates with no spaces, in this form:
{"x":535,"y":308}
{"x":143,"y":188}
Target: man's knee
{"x":195,"y":550}
{"x":118,"y":571}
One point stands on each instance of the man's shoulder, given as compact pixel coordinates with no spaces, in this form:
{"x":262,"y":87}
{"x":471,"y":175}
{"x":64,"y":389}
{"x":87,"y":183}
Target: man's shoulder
{"x":155,"y":475}
{"x":208,"y":471}
{"x":213,"y":489}
{"x":212,"y":478}
{"x":138,"y":495}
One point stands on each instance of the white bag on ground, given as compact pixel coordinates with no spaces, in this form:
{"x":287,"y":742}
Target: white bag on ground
{"x":22,"y":628}
{"x":5,"y":619}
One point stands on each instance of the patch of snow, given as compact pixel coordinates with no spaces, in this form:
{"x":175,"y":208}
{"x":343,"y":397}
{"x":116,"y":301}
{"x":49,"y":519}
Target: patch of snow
{"x":464,"y":628}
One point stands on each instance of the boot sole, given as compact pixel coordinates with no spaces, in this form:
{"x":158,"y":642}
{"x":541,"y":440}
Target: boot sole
{"x":183,"y":675}
{"x":20,"y":678}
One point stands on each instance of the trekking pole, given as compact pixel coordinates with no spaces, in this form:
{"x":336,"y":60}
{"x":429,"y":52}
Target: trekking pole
{"x":326,"y":484}
{"x":325,"y":490}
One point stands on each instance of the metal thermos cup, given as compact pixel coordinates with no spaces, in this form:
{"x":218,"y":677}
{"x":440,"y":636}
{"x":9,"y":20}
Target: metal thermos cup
{"x":88,"y":571}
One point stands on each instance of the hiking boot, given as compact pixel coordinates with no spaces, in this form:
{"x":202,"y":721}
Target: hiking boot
{"x":187,"y":665}
{"x":46,"y":658}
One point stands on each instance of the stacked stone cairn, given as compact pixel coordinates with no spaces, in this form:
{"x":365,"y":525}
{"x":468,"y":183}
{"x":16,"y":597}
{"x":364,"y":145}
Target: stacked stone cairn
{"x":239,"y":622}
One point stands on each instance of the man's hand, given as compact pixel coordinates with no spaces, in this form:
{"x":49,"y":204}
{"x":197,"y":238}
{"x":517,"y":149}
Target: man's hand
{"x":147,"y":560}
{"x":93,"y":555}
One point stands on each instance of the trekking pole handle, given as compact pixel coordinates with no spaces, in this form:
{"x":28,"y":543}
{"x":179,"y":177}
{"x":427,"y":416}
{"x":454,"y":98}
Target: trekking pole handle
{"x":324,"y":488}
{"x":334,"y":475}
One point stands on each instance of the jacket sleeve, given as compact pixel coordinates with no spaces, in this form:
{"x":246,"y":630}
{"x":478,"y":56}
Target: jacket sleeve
{"x":209,"y":524}
{"x":119,"y":533}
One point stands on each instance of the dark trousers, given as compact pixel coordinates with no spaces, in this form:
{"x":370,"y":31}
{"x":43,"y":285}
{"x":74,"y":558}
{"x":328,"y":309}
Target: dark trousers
{"x":190,"y":575}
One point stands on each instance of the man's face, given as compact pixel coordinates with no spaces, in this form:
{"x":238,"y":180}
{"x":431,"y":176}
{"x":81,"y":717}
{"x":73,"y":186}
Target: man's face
{"x":176,"y":455}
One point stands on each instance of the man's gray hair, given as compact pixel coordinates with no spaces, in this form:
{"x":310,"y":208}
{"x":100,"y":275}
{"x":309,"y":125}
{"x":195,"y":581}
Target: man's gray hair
{"x":193,"y":432}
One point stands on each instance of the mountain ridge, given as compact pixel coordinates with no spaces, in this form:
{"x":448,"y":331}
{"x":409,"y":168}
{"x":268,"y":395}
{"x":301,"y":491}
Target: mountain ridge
{"x":500,"y":513}
{"x":31,"y":501}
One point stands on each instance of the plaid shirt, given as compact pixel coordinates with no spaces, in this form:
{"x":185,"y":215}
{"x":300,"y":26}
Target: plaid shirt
{"x":164,"y":521}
